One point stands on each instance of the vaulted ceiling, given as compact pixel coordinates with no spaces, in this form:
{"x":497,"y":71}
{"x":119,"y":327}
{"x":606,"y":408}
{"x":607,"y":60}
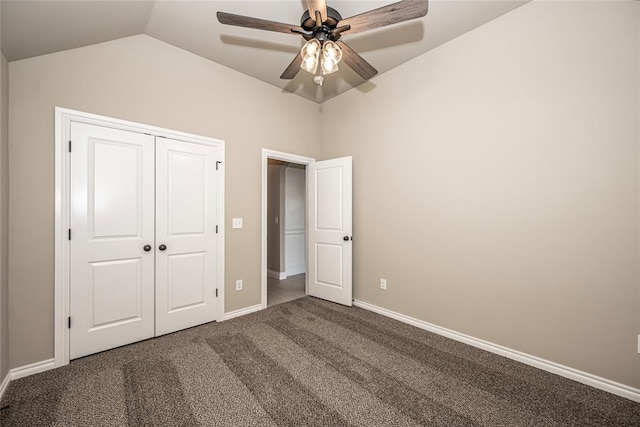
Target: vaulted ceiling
{"x":32,"y":28}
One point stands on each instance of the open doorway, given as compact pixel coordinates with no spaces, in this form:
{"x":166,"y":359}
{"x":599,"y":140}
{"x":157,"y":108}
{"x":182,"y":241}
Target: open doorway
{"x":284,"y":239}
{"x":286,"y":231}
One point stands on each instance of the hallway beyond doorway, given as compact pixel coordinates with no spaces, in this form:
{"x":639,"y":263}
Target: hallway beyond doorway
{"x":279,"y":291}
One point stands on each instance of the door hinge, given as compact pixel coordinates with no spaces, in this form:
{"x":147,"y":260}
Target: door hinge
{"x":69,"y":145}
{"x":216,"y":229}
{"x":69,"y":234}
{"x":216,"y":292}
{"x":69,"y":322}
{"x":217,"y":163}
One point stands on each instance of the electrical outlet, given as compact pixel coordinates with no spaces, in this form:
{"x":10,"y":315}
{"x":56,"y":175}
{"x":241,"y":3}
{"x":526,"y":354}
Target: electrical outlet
{"x":236,"y":223}
{"x":238,"y":285}
{"x":638,"y":344}
{"x":383,"y":284}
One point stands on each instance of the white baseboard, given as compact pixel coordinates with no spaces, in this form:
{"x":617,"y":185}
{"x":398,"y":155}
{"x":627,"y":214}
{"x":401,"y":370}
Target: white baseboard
{"x":25,"y":371}
{"x":546,"y":365}
{"x":280,"y":275}
{"x":4,"y":385}
{"x":33,"y":368}
{"x":296,"y":269}
{"x":243,"y":311}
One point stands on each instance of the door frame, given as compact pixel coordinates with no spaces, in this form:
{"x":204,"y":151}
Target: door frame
{"x":285,"y":157}
{"x":63,"y":119}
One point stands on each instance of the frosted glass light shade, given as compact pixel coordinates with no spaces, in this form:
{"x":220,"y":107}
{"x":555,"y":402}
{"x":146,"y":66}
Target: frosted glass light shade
{"x":330,"y":50}
{"x":310,"y":53}
{"x":331,"y":55}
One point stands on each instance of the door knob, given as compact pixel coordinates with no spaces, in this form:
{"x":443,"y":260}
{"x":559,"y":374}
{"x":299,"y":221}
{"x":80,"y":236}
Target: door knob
{"x":345,"y":238}
{"x":147,"y":248}
{"x":162,"y":247}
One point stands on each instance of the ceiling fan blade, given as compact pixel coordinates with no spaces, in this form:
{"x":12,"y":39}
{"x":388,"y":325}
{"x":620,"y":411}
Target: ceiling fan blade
{"x":292,"y":69}
{"x":257,"y":23}
{"x":392,"y":14}
{"x":321,"y":5}
{"x":356,"y":62}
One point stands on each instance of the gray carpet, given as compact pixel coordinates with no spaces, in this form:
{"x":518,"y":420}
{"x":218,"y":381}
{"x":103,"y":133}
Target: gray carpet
{"x":303,"y":363}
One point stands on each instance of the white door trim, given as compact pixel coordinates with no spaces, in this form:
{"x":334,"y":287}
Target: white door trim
{"x":63,"y":119}
{"x":285,"y":157}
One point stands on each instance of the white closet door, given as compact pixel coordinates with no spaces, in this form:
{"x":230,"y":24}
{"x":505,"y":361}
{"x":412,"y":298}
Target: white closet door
{"x":112,"y":219}
{"x":186,"y":183}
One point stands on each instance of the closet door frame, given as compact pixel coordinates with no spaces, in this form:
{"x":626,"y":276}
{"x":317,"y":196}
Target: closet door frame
{"x":63,"y":119}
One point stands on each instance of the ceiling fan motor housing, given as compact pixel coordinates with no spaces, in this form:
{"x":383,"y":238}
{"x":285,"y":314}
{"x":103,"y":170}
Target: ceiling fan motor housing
{"x":308,"y":23}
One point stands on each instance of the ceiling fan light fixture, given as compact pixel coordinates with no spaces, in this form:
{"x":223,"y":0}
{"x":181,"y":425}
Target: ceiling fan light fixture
{"x":310,"y":54}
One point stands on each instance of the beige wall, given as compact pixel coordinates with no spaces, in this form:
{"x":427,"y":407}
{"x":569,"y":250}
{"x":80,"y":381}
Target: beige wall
{"x":496,"y":184}
{"x":4,"y":217}
{"x":142,"y":80}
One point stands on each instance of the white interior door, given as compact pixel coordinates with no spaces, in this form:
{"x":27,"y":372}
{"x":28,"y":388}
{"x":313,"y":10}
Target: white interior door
{"x":186,"y":183}
{"x":330,"y":225}
{"x":112,"y":219}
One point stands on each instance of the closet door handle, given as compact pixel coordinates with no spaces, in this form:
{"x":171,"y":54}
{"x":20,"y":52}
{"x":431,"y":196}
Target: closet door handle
{"x":147,"y":248}
{"x":162,"y":247}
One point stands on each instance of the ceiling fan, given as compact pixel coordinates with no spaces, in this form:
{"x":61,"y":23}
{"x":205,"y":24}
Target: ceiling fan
{"x":322,"y":27}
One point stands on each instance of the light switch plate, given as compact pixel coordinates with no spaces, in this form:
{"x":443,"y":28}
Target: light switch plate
{"x":237,"y":223}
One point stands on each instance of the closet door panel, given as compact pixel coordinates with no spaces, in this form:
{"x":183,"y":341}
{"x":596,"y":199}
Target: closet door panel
{"x":112,"y":219}
{"x":186,"y":197}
